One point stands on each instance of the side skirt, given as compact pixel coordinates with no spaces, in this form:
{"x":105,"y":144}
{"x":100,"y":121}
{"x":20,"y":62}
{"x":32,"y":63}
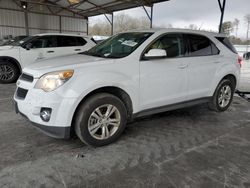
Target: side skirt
{"x":171,"y":107}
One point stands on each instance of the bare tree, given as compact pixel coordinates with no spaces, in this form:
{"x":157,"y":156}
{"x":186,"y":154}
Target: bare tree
{"x":122,"y":22}
{"x":193,"y":27}
{"x":164,"y":26}
{"x":236,"y":23}
{"x":101,"y":28}
{"x":247,"y":19}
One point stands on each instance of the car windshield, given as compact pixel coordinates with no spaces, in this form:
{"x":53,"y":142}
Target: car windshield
{"x":20,"y":42}
{"x":120,"y":45}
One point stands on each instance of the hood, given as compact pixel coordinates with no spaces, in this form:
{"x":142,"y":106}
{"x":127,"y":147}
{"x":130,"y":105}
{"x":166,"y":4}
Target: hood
{"x":6,"y":47}
{"x":60,"y":63}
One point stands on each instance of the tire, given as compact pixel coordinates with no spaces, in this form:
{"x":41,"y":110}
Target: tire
{"x":87,"y":122}
{"x":220,"y":95}
{"x":9,"y":72}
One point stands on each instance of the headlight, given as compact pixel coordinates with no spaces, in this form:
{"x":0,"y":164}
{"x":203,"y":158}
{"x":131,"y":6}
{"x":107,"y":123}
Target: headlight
{"x":53,"y":80}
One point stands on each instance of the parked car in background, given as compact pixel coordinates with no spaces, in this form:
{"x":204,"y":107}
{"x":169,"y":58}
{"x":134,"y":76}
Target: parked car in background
{"x":246,"y":55}
{"x":129,"y":75}
{"x":14,"y":40}
{"x":42,"y":46}
{"x":98,"y":39}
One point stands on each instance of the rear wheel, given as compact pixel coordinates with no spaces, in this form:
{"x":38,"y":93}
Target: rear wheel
{"x":100,"y":120}
{"x":8,"y":72}
{"x":223,"y":96}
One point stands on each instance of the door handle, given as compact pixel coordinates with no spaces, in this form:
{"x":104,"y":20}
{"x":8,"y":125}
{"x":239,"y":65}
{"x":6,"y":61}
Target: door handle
{"x":216,"y":62}
{"x":183,"y":66}
{"x":77,"y":49}
{"x":50,"y":51}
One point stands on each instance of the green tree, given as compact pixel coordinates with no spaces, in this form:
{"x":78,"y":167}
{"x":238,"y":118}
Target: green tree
{"x":227,"y":27}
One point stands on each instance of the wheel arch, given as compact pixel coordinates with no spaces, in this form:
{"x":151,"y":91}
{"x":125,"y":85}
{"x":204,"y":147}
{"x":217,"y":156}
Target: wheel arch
{"x":230,"y":77}
{"x":116,"y":91}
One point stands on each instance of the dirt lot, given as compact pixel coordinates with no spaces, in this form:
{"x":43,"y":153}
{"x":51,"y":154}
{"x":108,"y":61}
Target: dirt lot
{"x":186,"y":148}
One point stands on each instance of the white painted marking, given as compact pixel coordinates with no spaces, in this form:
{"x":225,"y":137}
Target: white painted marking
{"x":5,"y":99}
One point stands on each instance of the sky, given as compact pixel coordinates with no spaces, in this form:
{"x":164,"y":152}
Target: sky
{"x":203,"y":13}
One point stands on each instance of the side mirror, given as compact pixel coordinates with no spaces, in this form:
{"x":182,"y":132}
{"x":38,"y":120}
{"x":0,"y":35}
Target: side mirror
{"x":155,"y":54}
{"x":28,"y":46}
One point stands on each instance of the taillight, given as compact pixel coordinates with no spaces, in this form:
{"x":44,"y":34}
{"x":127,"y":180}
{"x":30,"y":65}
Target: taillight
{"x":240,"y":60}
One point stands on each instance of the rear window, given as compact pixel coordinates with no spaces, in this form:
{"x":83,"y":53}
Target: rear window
{"x":80,"y":41}
{"x":226,"y":42}
{"x":67,"y":41}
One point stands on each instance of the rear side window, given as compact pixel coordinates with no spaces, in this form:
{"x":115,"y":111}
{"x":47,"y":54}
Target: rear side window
{"x":80,"y":41}
{"x":67,"y":41}
{"x":226,"y":42}
{"x":201,"y":46}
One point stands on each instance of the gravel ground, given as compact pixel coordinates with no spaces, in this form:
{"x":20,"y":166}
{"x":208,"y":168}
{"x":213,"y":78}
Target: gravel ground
{"x":186,"y":148}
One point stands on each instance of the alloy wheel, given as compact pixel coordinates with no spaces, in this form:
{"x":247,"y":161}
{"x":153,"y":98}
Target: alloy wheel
{"x":225,"y":95}
{"x":6,"y":72}
{"x":104,"y":122}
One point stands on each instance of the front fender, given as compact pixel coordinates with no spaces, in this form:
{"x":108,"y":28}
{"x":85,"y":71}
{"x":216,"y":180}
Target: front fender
{"x":90,"y":83}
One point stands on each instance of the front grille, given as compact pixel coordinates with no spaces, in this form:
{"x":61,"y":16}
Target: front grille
{"x":21,"y":93}
{"x":26,"y":77}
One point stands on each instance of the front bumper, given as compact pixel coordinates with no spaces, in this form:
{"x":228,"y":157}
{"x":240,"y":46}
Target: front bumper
{"x":52,"y":131}
{"x":59,"y":125}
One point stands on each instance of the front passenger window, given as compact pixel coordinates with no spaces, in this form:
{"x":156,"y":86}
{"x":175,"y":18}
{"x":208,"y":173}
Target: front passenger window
{"x":172,"y":44}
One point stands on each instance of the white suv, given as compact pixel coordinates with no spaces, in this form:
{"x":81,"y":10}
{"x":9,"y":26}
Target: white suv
{"x":43,"y":46}
{"x":130,"y":75}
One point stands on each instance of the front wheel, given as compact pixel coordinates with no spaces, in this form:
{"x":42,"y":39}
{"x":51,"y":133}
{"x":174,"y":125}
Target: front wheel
{"x":223,"y":96}
{"x":100,"y":120}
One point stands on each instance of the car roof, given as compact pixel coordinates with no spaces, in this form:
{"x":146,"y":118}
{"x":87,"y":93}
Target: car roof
{"x":189,"y":31}
{"x":61,"y":34}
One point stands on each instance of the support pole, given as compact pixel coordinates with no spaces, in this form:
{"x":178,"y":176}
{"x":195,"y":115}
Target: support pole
{"x":26,"y":22}
{"x":87,"y":25}
{"x":60,"y":24}
{"x":152,"y":13}
{"x":150,"y":16}
{"x":111,"y":21}
{"x":222,"y":9}
{"x":112,"y":25}
{"x":248,"y":25}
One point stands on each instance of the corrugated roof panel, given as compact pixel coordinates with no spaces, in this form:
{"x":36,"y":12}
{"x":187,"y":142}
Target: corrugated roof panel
{"x":100,"y":3}
{"x":63,"y":3}
{"x":108,"y":6}
{"x":85,"y":6}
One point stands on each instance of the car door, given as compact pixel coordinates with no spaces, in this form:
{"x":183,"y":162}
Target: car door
{"x":163,"y":81}
{"x":71,"y":45}
{"x":42,"y":47}
{"x":203,"y":61}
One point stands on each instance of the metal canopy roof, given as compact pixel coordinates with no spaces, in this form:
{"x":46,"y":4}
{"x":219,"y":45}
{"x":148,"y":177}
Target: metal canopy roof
{"x":87,"y":8}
